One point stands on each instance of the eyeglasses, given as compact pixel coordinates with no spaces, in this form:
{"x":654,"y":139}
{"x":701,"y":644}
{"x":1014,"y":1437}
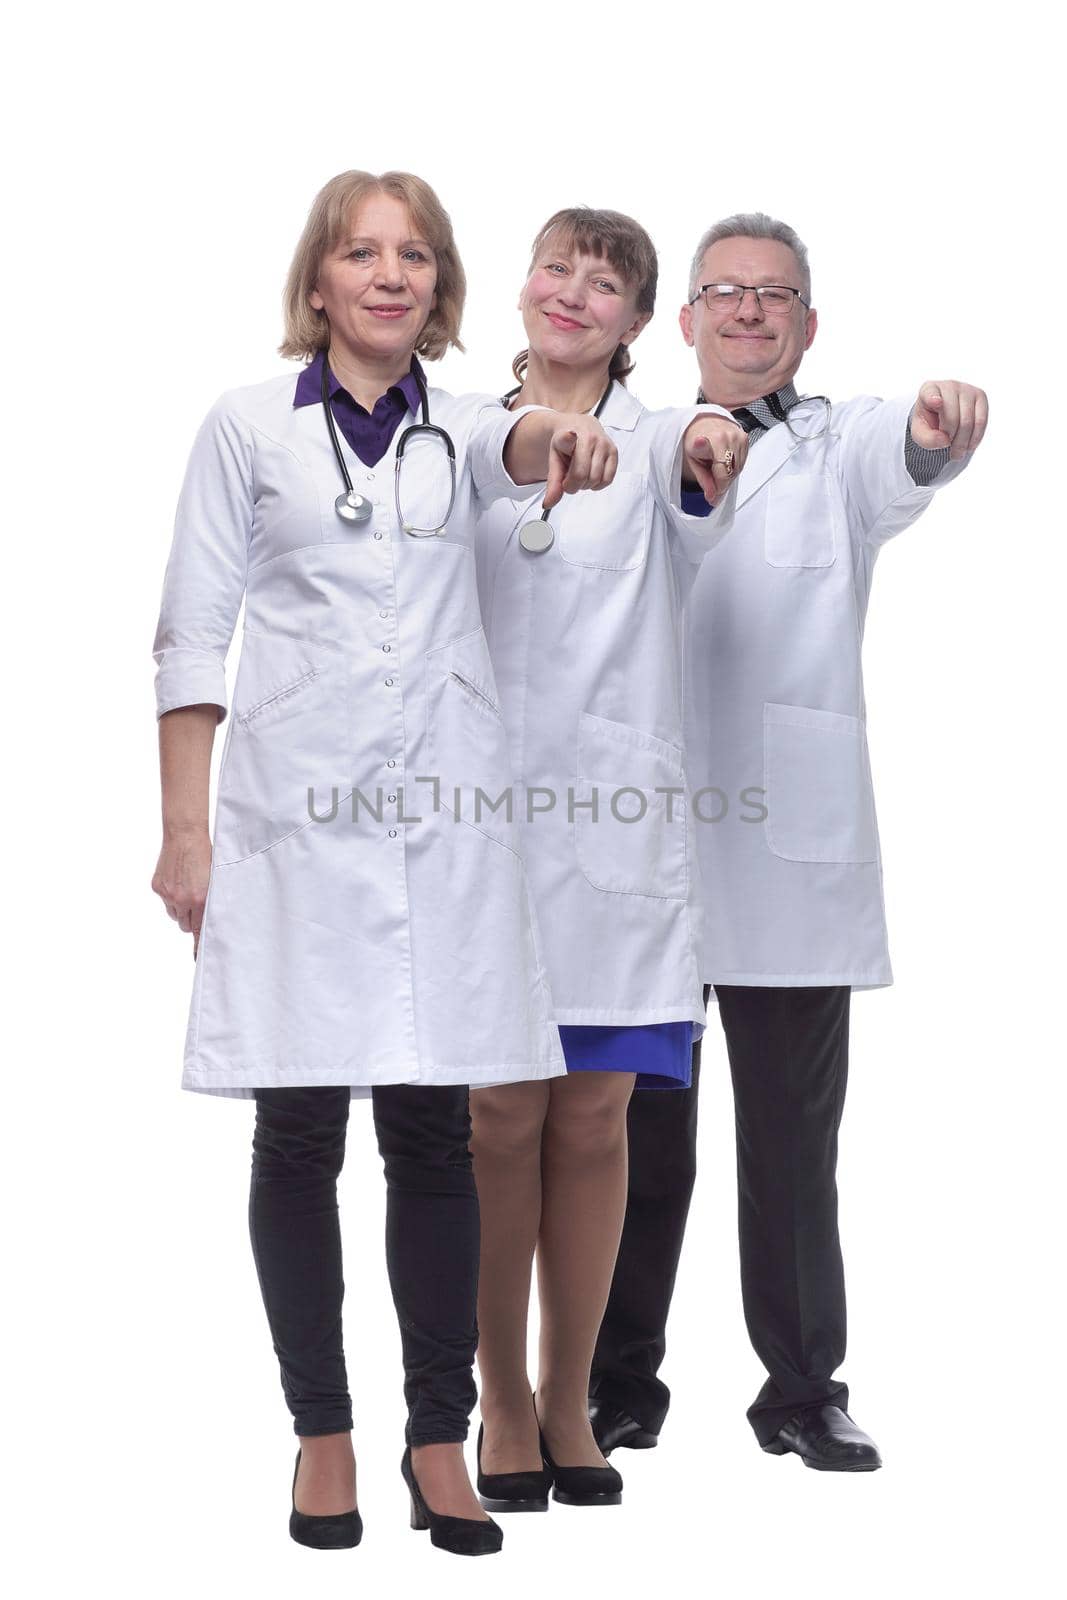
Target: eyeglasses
{"x":775,"y":299}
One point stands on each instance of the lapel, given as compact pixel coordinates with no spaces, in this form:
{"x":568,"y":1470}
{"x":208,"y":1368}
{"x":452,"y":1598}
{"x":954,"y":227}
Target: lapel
{"x":764,"y":459}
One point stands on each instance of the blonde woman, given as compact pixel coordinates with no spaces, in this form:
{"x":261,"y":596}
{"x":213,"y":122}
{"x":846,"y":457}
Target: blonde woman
{"x":350,"y":940}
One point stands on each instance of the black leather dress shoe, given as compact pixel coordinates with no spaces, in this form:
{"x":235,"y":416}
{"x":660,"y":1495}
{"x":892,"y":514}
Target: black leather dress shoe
{"x":613,"y":1429}
{"x":826,"y":1438}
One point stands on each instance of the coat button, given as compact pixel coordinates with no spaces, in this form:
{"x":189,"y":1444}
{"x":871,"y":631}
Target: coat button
{"x":377,"y":535}
{"x":390,"y":763}
{"x":383,"y":613}
{"x":392,"y":799}
{"x":388,"y":683}
{"x":392,"y":833}
{"x":387,"y":647}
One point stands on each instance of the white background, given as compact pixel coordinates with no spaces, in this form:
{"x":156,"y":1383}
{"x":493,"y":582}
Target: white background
{"x":163,"y":160}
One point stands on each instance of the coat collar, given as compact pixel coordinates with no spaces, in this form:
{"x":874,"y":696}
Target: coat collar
{"x":308,"y":390}
{"x":621,"y":409}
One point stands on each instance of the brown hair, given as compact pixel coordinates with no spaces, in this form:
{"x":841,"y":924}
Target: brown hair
{"x":620,"y":240}
{"x":307,"y":331}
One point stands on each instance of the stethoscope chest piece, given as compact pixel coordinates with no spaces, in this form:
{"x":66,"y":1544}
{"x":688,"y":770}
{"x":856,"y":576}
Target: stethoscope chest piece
{"x":537,"y":537}
{"x":353,"y":507}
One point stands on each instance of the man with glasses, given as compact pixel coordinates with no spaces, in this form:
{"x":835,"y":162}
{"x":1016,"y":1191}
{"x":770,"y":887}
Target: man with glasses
{"x":782,"y":815}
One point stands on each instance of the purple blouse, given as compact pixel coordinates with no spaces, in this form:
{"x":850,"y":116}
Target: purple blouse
{"x":370,"y":433}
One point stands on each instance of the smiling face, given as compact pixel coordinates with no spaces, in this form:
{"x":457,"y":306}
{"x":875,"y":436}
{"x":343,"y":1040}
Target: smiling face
{"x":376,"y":285}
{"x":577,"y":309}
{"x":744,"y":352}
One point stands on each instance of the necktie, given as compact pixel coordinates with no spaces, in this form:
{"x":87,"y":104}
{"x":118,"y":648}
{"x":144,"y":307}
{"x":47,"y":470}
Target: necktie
{"x":746,"y":419}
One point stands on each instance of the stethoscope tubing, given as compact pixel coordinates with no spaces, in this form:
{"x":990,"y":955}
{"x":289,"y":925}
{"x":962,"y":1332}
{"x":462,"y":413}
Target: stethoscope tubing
{"x":781,"y":414}
{"x":356,"y":502}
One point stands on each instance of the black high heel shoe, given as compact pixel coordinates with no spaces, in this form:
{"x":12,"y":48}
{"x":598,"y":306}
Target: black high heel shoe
{"x":342,"y":1531}
{"x":512,"y":1491}
{"x":583,"y":1486}
{"x":464,"y":1536}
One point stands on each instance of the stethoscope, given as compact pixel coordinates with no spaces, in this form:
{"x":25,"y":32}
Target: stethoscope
{"x":356,"y":508}
{"x":537,"y":537}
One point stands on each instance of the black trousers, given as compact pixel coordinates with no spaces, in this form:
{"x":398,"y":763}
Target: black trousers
{"x":431,"y":1245}
{"x":788,"y":1051}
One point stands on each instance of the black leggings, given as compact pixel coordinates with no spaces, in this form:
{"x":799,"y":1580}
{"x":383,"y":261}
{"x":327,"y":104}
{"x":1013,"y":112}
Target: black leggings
{"x":431,"y":1247}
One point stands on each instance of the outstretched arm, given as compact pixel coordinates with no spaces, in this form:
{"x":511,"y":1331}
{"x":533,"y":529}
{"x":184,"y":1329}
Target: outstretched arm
{"x":714,"y":448}
{"x":895,"y":454}
{"x":949,"y":415}
{"x":702,"y":450}
{"x":568,"y":451}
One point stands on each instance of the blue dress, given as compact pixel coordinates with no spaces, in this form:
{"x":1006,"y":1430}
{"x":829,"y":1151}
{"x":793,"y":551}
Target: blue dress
{"x":660,"y":1053}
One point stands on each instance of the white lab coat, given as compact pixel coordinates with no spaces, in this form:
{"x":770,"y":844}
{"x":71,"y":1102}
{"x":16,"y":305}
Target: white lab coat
{"x":586,"y":647}
{"x":775,"y":714}
{"x":341,"y":952}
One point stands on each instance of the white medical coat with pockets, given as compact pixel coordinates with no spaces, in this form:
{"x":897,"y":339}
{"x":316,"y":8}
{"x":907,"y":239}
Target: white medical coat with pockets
{"x":382,"y":949}
{"x":775,"y":713}
{"x":586,"y":647}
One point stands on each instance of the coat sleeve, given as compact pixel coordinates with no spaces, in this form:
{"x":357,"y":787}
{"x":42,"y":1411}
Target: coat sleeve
{"x":485,"y":453}
{"x":207,"y":569}
{"x":882,"y":496}
{"x":696,"y":535}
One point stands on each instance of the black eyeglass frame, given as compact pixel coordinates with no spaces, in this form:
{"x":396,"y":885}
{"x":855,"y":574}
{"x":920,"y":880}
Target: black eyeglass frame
{"x":757,"y":289}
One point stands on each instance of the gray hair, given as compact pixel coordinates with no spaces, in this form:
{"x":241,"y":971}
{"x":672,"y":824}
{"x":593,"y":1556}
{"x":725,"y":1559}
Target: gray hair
{"x":752,"y":225}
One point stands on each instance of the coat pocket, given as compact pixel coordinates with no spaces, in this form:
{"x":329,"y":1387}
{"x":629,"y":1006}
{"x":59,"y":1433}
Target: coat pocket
{"x":820,"y":802}
{"x":629,"y":831}
{"x":287,"y":736}
{"x":466,"y":739}
{"x":608,"y":529}
{"x":799,"y":515}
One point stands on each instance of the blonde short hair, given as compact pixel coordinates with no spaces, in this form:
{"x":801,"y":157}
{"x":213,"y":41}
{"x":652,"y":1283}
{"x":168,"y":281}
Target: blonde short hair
{"x":307,"y":331}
